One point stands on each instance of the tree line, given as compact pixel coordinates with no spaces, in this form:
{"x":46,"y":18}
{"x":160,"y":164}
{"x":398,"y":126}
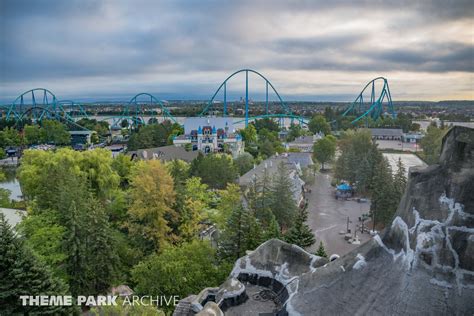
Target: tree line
{"x":95,"y":221}
{"x":363,"y":165}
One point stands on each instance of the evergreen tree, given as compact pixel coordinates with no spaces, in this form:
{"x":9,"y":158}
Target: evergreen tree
{"x":233,"y":239}
{"x":92,"y":260}
{"x":283,"y":204}
{"x":273,"y":230}
{"x":253,"y":236}
{"x":258,"y":196}
{"x":75,"y":250}
{"x":399,"y":179}
{"x":384,"y":198}
{"x":300,"y":234}
{"x":102,"y":259}
{"x":21,"y":273}
{"x":241,"y":233}
{"x":321,"y":251}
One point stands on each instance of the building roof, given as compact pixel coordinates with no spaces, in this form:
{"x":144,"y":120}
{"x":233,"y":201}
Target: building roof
{"x":166,"y":153}
{"x":303,"y":159}
{"x":81,"y":132}
{"x":303,"y":140}
{"x":193,"y":123}
{"x":271,"y":166}
{"x":386,"y":132}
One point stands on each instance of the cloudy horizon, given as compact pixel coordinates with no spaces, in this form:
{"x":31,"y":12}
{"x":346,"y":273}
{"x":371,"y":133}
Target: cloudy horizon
{"x":309,"y":50}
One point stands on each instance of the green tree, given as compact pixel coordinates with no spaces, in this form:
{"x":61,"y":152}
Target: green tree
{"x":273,"y":230}
{"x":100,"y":127}
{"x":300,"y":234}
{"x":266,"y":148}
{"x":384,"y":200}
{"x":9,"y":137}
{"x":94,"y":138}
{"x":321,"y":251}
{"x":324,"y":149}
{"x":358,"y":160}
{"x":268,"y":124}
{"x":268,"y":142}
{"x":229,"y":198}
{"x":122,"y":165}
{"x":309,"y":174}
{"x":244,"y":163}
{"x":282,"y":202}
{"x":45,"y":236}
{"x":399,"y":179}
{"x":154,"y":135}
{"x":237,"y":234}
{"x":92,"y":260}
{"x":181,"y":271}
{"x":32,"y":134}
{"x":152,"y":195}
{"x":259,"y":197}
{"x":431,"y":144}
{"x":54,"y":132}
{"x":98,"y":167}
{"x":294,"y":131}
{"x":415,"y":127}
{"x":318,"y":124}
{"x":102,"y":258}
{"x":42,"y":173}
{"x":249,"y":134}
{"x":23,"y":274}
{"x":215,"y":170}
{"x":179,"y":170}
{"x":194,"y":209}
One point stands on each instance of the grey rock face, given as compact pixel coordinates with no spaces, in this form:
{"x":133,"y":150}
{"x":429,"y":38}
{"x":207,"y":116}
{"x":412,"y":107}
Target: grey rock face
{"x":423,"y":264}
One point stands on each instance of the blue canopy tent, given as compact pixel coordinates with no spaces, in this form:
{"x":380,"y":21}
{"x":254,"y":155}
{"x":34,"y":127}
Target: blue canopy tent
{"x":344,"y":187}
{"x":343,"y":191}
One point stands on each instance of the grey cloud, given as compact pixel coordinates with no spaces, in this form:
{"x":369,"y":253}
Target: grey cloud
{"x":51,"y":40}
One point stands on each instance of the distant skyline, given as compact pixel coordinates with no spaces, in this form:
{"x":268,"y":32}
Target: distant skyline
{"x":309,"y":50}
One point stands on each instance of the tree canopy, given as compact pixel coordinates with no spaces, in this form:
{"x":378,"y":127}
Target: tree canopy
{"x":215,"y":170}
{"x":318,"y":124}
{"x":324,"y":149}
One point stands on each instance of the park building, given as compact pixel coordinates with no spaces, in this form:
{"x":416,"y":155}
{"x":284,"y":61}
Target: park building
{"x":386,"y":133}
{"x":304,"y":143}
{"x":210,"y":135}
{"x":413,"y":137}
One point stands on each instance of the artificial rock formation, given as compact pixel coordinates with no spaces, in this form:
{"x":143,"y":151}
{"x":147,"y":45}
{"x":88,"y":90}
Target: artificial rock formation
{"x":422,"y":264}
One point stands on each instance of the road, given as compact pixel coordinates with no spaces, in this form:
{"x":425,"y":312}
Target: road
{"x":327,"y":217}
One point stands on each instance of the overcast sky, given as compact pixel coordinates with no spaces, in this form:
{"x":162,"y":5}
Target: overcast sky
{"x":309,"y":50}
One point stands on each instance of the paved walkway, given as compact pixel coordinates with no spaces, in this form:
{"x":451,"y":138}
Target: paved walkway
{"x":328,"y":216}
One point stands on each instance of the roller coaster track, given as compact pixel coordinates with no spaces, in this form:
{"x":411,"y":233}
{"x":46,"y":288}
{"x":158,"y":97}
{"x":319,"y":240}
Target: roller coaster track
{"x":223,"y":87}
{"x":373,"y":107}
{"x":134,"y":111}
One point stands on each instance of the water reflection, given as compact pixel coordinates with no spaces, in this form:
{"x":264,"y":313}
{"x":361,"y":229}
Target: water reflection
{"x":11,"y":183}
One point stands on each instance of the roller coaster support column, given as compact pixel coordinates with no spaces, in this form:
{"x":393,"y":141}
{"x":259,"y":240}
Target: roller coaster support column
{"x":246,"y":98}
{"x":225,"y":99}
{"x":266,"y":98}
